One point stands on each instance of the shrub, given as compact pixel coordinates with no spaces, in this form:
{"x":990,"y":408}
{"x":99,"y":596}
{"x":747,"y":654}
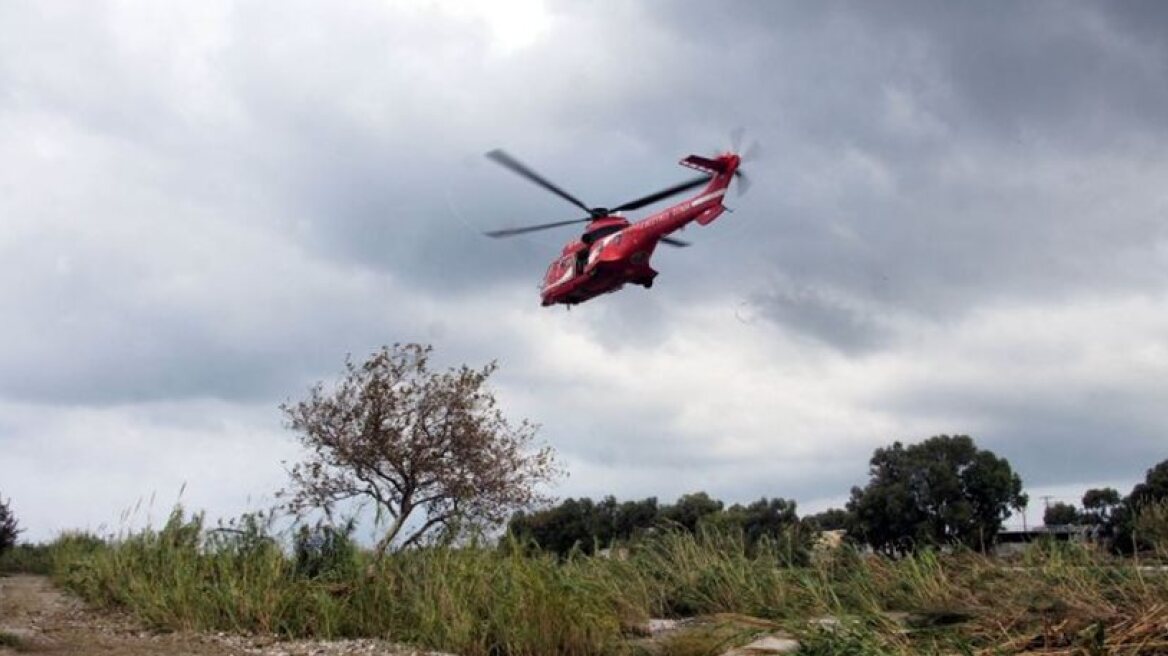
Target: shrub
{"x":9,"y":529}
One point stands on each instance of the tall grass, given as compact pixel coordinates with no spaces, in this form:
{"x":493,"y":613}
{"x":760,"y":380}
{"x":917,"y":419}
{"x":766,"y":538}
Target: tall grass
{"x":470,"y":600}
{"x":480,"y":600}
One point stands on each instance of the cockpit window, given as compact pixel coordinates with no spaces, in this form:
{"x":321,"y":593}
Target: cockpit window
{"x":601,"y":233}
{"x":558,"y":271}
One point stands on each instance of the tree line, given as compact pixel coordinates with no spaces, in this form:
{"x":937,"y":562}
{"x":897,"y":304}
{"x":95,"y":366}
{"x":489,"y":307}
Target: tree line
{"x":1127,"y":523}
{"x":587,"y":525}
{"x":942,"y":491}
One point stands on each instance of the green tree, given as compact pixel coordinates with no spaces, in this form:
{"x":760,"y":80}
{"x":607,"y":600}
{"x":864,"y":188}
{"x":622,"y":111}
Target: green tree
{"x":635,"y":517}
{"x":572,"y":523}
{"x":765,"y":518}
{"x":944,"y":490}
{"x":429,"y":450}
{"x":690,"y":509}
{"x":1152,"y":491}
{"x":832,"y":519}
{"x":9,"y":529}
{"x":1060,"y":514}
{"x":1099,"y":504}
{"x":584,"y":523}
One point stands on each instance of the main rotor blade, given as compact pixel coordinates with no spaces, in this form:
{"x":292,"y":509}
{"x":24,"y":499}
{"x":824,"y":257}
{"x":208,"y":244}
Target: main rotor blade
{"x":518,"y":167}
{"x":510,"y":232}
{"x":661,"y":195}
{"x":674,"y":242}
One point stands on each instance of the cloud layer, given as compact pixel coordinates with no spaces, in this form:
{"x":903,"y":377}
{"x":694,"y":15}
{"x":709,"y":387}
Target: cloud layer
{"x":957,"y":225}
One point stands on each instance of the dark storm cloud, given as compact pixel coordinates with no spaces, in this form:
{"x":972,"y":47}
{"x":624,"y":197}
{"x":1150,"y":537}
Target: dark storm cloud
{"x":1004,"y":71}
{"x":964,"y":154}
{"x":996,"y":69}
{"x":188,"y":252}
{"x":1073,"y":72}
{"x":819,"y":316}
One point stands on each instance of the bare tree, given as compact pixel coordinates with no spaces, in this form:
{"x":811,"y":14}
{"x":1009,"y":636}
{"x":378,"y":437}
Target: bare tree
{"x":422,"y":445}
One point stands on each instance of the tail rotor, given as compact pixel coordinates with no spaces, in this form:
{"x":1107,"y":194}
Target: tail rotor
{"x":743,"y":182}
{"x":751,"y":152}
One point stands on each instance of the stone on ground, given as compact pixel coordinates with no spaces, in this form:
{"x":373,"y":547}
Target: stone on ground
{"x":772,"y":644}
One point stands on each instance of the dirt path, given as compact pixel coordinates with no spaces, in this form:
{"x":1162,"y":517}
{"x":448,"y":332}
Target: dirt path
{"x":37,"y":618}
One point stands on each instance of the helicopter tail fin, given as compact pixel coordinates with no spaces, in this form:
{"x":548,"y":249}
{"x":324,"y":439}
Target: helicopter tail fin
{"x":705,"y":164}
{"x":722,"y":170}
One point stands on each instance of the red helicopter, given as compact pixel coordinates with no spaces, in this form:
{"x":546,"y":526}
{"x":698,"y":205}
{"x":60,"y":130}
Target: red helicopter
{"x":613,"y":252}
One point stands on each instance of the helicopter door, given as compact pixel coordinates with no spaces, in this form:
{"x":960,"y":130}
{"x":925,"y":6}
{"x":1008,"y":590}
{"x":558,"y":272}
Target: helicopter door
{"x":581,"y":260}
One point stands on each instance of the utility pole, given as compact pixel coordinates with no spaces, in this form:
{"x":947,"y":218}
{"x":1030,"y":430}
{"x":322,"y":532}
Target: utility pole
{"x":1045,"y":506}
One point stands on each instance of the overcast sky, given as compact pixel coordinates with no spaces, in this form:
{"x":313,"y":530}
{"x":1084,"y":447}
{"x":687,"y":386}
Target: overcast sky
{"x":957,"y":224}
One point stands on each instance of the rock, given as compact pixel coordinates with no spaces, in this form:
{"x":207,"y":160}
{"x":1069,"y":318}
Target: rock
{"x":655,"y":627}
{"x":772,"y":644}
{"x":659,"y":625}
{"x":827,"y":623}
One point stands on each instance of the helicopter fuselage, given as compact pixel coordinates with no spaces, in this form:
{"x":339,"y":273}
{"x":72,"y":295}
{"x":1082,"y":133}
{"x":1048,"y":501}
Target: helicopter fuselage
{"x":613,"y":252}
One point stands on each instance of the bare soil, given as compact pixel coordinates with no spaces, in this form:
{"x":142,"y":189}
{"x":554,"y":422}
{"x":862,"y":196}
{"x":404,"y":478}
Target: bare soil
{"x":37,"y":618}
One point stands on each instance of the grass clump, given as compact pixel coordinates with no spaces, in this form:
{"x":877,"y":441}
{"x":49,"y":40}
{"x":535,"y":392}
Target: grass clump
{"x":13,"y":641}
{"x":27,"y":559}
